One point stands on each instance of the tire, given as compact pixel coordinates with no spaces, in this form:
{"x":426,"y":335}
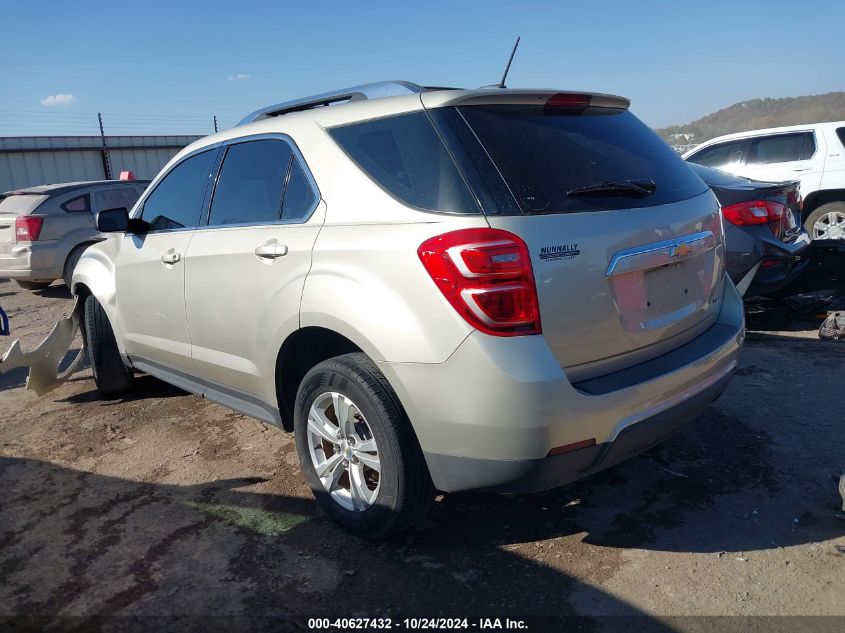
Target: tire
{"x":70,"y":264}
{"x":33,"y":285}
{"x":111,"y":376}
{"x":402,"y":492}
{"x":836,"y":208}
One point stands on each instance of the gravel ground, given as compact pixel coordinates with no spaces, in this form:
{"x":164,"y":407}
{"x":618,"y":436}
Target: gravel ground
{"x":166,"y":504}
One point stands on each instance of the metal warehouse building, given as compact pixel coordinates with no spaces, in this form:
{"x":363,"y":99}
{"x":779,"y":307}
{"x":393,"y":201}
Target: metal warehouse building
{"x":36,"y":160}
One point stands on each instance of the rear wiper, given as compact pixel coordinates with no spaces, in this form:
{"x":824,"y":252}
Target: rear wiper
{"x":635,"y":188}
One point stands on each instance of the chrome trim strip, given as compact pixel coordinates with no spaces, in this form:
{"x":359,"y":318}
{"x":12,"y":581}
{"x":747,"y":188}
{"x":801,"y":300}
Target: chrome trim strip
{"x":660,"y":253}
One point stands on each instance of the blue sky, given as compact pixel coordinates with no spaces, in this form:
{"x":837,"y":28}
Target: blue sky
{"x":154,"y":66}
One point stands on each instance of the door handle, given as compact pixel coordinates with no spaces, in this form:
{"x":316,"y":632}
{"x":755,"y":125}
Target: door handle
{"x":271,"y":250}
{"x":171,"y":258}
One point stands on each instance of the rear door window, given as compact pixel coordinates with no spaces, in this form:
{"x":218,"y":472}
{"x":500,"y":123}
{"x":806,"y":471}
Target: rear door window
{"x":177,"y":200}
{"x":115,"y":198}
{"x":840,"y":132}
{"x":544,"y":156}
{"x":405,"y":156}
{"x":781,"y":148}
{"x":718,"y":155}
{"x":251,"y":183}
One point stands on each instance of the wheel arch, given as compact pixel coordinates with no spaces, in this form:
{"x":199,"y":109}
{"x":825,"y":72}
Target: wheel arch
{"x":300,"y":351}
{"x":823,"y":196}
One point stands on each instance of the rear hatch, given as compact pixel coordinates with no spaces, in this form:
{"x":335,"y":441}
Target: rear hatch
{"x":12,"y":206}
{"x":626,"y":242}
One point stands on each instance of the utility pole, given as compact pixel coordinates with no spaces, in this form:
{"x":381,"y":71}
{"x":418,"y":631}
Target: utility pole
{"x":215,"y":123}
{"x":105,"y":151}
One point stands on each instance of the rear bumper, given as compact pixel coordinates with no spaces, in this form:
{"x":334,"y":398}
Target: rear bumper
{"x":778,"y":262}
{"x":36,"y":261}
{"x":488,"y":417}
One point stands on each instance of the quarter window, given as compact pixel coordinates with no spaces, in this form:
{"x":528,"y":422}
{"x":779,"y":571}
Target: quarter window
{"x":299,"y":195}
{"x":840,"y":132}
{"x":79,"y":204}
{"x":719,"y":155}
{"x":781,"y":148}
{"x":251,"y":184}
{"x":406,"y":157}
{"x":176,"y":202}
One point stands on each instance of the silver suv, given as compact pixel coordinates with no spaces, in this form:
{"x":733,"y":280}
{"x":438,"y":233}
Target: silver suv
{"x":434,"y":289}
{"x":45,"y":229}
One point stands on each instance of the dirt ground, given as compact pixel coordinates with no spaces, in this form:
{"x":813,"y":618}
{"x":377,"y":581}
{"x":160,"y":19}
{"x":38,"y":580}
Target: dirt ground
{"x":166,"y":504}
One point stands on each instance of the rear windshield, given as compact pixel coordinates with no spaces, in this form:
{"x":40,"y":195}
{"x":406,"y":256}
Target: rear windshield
{"x":20,"y":204}
{"x":543,"y":156}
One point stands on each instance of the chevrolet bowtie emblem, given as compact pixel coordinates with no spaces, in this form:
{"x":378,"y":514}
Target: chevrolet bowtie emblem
{"x":682,"y":250}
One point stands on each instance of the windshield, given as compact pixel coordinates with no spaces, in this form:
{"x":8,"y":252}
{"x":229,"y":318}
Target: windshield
{"x":546,"y":157}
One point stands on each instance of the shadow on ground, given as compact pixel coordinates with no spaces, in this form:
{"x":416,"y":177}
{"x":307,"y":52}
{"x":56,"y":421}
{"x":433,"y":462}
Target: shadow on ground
{"x":76,"y":543}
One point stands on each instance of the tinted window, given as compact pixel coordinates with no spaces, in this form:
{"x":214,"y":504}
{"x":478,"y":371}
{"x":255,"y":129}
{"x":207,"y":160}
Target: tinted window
{"x":299,"y":195}
{"x":79,"y":204}
{"x":719,"y":155}
{"x":115,"y":198}
{"x":840,"y":132}
{"x":544,"y":155}
{"x":781,"y":148}
{"x":406,"y":157}
{"x":176,"y":202}
{"x":252,"y":179}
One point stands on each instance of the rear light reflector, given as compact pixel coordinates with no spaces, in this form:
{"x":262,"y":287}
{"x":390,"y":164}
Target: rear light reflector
{"x":568,"y":448}
{"x":756,"y":212}
{"x":28,"y":228}
{"x":770,"y":263}
{"x":486,"y":275}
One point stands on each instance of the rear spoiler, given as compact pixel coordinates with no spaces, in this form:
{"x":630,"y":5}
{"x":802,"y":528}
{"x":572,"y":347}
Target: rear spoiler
{"x":519,"y":97}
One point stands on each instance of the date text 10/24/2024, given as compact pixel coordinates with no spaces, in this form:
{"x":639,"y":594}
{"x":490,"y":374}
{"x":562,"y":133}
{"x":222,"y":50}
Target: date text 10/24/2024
{"x":415,"y":624}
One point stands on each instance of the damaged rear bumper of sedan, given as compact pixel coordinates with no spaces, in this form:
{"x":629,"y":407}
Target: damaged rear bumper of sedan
{"x":45,"y":360}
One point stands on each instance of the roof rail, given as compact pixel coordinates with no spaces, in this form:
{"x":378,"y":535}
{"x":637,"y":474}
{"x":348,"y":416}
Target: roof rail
{"x":377,"y":90}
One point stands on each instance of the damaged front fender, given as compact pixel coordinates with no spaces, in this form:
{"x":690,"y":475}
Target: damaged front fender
{"x":44,"y":360}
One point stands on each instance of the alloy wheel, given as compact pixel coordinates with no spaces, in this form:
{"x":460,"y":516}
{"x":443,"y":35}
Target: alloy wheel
{"x":830,"y":226}
{"x":343,"y":451}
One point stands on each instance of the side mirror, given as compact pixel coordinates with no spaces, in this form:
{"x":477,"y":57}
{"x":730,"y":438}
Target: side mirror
{"x":113,"y":220}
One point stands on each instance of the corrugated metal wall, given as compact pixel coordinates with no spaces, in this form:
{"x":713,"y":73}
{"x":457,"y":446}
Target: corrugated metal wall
{"x":36,"y":160}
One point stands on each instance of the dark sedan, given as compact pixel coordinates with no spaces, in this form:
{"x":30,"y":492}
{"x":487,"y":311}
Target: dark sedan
{"x":766,"y":244}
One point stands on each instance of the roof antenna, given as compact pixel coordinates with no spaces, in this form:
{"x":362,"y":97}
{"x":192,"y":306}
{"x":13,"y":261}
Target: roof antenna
{"x":508,"y":67}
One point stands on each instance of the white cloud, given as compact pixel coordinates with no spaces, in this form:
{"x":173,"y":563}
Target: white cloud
{"x":58,"y":100}
{"x":239,"y":77}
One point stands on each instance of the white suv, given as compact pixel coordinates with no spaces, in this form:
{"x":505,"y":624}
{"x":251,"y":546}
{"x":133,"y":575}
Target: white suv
{"x":433,"y":288}
{"x":814,"y":154}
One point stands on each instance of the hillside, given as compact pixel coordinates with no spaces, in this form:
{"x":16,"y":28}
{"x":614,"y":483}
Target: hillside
{"x":759,"y":113}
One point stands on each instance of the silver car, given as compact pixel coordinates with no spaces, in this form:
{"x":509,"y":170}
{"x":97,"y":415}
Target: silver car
{"x":434,"y":289}
{"x":45,"y":229}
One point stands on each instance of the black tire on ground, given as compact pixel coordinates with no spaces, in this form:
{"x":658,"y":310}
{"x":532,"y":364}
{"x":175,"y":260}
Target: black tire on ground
{"x":110,"y":374}
{"x":817,"y":213}
{"x":70,"y":263}
{"x":406,"y":492}
{"x":33,"y":285}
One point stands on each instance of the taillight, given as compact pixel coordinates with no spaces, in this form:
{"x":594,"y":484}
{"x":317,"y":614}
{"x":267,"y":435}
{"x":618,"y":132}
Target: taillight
{"x":751,"y":213}
{"x":486,"y":275}
{"x":28,"y":228}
